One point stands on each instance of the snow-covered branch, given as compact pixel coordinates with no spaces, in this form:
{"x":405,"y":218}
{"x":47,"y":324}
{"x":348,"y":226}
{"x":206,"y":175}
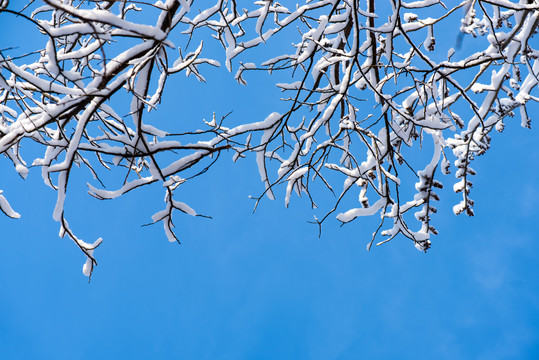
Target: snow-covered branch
{"x":372,"y":83}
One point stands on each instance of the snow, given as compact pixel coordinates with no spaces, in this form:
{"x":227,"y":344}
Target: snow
{"x":183,"y":207}
{"x":292,"y":179}
{"x":410,"y":17}
{"x":6,"y":207}
{"x":22,"y":170}
{"x":419,"y":4}
{"x":88,"y":265}
{"x":459,"y":208}
{"x":60,"y":200}
{"x":354,"y":213}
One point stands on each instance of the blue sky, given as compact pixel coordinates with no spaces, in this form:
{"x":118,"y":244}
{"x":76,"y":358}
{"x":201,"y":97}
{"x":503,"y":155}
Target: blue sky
{"x":264,"y":285}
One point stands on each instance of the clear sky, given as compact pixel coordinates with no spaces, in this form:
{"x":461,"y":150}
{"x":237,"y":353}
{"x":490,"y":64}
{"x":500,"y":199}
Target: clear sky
{"x":264,"y":285}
